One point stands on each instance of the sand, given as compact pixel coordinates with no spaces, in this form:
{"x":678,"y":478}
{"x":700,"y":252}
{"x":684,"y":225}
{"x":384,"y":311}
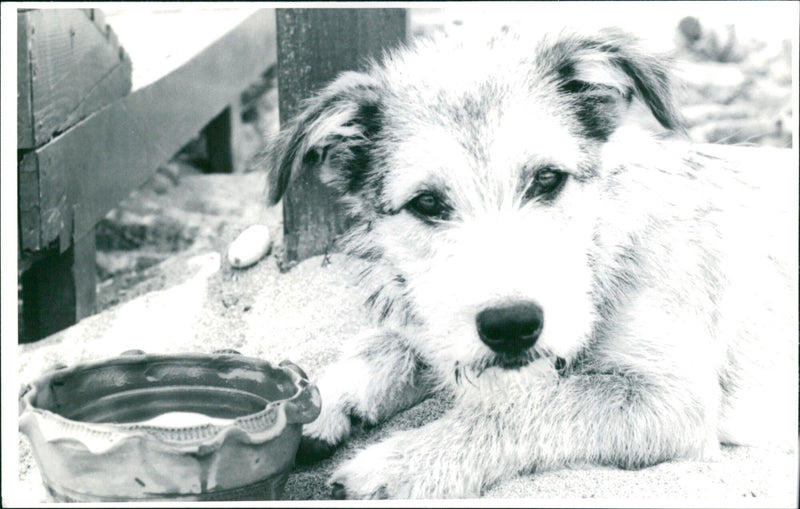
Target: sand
{"x":303,"y":316}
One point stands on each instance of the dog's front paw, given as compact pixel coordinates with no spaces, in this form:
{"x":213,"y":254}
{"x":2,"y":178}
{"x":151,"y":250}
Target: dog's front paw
{"x":411,"y":464}
{"x":378,"y":472}
{"x":322,"y":437}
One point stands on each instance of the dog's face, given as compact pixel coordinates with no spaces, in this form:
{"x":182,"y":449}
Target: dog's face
{"x":474,"y":176}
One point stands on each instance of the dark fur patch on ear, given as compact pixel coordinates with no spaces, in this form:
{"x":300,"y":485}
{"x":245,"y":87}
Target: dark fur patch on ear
{"x":335,"y":129}
{"x":602,"y":75}
{"x":351,"y":173}
{"x":652,"y":83}
{"x":597,"y":108}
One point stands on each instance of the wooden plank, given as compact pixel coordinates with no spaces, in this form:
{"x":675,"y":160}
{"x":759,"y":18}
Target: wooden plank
{"x":45,"y":216}
{"x":77,"y":67}
{"x":90,"y":168}
{"x":28,"y":207}
{"x":314,"y":46}
{"x":58,"y":290}
{"x":84,"y":275}
{"x":175,"y":32}
{"x":24,"y":112}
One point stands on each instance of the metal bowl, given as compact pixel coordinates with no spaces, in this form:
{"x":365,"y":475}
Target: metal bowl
{"x":99,"y":433}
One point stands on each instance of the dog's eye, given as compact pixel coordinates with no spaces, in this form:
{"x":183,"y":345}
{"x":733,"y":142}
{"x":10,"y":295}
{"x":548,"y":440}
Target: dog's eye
{"x":546,"y":184}
{"x":547,"y":180}
{"x":429,"y":206}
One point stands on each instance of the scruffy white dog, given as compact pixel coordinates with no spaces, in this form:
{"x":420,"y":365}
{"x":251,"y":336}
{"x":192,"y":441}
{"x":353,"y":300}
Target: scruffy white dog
{"x":588,"y":292}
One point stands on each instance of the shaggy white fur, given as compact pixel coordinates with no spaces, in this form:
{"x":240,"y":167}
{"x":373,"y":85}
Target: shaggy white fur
{"x":483,"y":176}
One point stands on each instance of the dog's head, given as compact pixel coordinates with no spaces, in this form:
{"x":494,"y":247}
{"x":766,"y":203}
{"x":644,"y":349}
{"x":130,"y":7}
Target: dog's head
{"x":474,"y":176}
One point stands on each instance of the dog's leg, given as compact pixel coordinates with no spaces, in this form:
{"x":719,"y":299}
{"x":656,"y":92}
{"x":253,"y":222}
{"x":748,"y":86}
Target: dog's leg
{"x":376,"y":377}
{"x":522,"y":422}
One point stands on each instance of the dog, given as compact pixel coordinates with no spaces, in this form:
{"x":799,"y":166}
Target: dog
{"x":585,"y":289}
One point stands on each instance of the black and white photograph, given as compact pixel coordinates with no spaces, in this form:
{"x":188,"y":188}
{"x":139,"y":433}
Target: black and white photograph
{"x":530,"y":254}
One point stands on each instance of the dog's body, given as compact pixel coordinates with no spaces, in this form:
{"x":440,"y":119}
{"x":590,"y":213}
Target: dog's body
{"x":587,"y":292}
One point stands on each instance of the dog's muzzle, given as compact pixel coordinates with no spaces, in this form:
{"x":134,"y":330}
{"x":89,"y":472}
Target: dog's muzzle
{"x":511,"y":328}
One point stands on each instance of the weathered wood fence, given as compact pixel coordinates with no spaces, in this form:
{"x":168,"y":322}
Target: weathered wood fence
{"x":85,"y":142}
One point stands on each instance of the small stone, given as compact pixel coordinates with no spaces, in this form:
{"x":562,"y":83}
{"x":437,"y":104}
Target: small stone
{"x":250,"y":246}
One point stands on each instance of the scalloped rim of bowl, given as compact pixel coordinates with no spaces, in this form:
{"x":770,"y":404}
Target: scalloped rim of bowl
{"x":101,"y":439}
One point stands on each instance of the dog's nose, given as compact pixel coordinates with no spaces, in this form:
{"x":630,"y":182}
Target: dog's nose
{"x":511,"y":328}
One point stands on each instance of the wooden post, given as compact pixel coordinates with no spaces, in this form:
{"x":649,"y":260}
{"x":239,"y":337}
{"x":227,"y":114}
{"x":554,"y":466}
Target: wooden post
{"x":315,"y":46}
{"x":70,"y":65}
{"x":59,"y":290}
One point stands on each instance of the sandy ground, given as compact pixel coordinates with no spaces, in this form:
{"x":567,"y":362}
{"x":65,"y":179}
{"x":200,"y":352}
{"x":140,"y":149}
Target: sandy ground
{"x":303,"y":316}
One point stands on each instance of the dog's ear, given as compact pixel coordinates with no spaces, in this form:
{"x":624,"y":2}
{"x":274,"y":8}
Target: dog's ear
{"x":601,"y":75}
{"x":333,"y":130}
